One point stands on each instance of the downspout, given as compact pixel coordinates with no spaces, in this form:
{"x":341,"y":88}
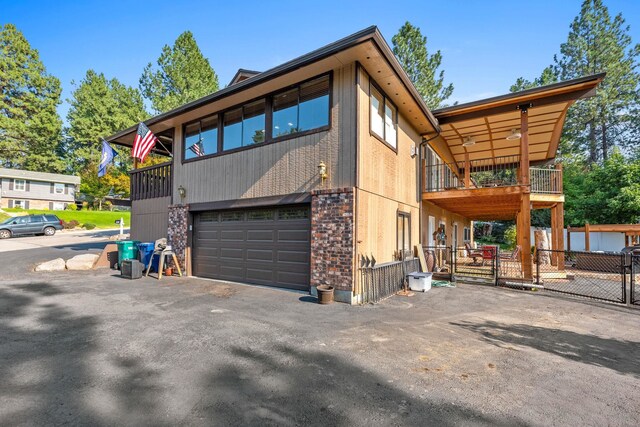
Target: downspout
{"x":420,"y":155}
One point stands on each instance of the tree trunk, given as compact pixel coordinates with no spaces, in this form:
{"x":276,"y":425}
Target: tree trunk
{"x":542,"y":242}
{"x":605,"y":143}
{"x":593,"y":150}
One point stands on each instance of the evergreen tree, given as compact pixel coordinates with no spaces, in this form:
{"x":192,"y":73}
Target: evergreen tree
{"x":182,"y":75}
{"x":30,"y":128}
{"x":598,"y":43}
{"x":100,"y":107}
{"x":549,"y":76}
{"x":410,"y":47}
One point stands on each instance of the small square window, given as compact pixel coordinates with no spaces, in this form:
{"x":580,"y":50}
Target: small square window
{"x":19,"y":185}
{"x":58,"y":188}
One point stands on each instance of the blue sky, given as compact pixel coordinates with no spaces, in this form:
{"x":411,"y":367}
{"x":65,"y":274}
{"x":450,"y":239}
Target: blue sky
{"x":486,"y":44}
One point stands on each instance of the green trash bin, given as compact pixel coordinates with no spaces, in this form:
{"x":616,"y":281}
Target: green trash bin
{"x":127,"y":249}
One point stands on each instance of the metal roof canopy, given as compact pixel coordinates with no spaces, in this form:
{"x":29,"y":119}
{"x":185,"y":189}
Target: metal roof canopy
{"x":491,"y":120}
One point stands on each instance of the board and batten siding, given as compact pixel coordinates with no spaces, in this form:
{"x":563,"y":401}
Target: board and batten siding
{"x":38,"y":190}
{"x":150,"y":219}
{"x":280,"y":168}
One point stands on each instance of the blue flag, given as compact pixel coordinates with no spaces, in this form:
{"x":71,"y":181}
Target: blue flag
{"x":108,"y":154}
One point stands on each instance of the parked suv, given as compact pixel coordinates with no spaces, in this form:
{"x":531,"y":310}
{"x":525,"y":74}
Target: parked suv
{"x":30,"y":224}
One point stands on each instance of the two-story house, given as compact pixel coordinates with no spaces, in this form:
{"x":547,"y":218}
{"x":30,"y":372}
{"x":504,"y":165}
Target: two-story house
{"x":286,"y":177}
{"x":36,"y":190}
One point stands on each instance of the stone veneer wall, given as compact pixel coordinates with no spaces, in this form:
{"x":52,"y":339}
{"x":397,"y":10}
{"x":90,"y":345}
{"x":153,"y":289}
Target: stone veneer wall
{"x":332,"y":233}
{"x":177,"y":232}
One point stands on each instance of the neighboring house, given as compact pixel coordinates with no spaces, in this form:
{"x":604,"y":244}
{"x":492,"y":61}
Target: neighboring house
{"x":36,"y":190}
{"x":287,"y":177}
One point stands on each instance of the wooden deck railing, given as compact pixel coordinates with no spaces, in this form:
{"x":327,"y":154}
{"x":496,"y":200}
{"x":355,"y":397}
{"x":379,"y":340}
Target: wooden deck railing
{"x":151,"y":182}
{"x":488,"y":173}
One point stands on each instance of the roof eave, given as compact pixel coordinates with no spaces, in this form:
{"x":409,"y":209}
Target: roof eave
{"x":370,"y":33}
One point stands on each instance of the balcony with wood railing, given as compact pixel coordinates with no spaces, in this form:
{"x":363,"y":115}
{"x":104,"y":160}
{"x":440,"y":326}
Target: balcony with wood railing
{"x":151,"y":182}
{"x":495,"y":172}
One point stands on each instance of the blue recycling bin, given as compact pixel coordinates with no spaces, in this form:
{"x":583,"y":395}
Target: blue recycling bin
{"x":146,"y":255}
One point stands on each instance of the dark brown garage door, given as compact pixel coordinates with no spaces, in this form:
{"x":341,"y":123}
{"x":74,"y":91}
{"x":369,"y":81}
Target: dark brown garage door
{"x":266,"y":246}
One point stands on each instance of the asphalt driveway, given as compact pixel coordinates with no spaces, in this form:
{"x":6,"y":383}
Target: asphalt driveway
{"x":94,"y":349}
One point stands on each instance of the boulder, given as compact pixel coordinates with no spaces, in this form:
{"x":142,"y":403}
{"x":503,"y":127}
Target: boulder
{"x":119,"y":237}
{"x":82,"y":262}
{"x":53,"y":265}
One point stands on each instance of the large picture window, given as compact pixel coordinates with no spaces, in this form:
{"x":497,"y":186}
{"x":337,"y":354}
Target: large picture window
{"x":384,"y":118}
{"x":300,"y":109}
{"x":201,"y":138}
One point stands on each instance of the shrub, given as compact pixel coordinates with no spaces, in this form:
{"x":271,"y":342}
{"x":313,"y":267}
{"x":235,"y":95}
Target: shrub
{"x":510,"y":236}
{"x":72,"y":207}
{"x":70,"y":225}
{"x":85,"y":205}
{"x":89,"y":226}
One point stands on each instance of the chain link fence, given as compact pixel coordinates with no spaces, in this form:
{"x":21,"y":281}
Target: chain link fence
{"x":595,"y":275}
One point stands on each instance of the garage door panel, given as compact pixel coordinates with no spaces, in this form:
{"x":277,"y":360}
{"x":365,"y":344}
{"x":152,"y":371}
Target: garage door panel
{"x":232,"y":254}
{"x":293,"y":235}
{"x":265,"y":246}
{"x":260,"y":236}
{"x":293,"y":256}
{"x":260,"y":255}
{"x":232,"y":235}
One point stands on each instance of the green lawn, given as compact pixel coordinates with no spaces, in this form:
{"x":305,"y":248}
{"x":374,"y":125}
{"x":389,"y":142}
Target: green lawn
{"x":102,"y":219}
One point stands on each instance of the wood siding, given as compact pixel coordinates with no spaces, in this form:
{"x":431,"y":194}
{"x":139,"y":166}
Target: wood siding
{"x":387,"y":183}
{"x":37,"y":190}
{"x":446,"y":217}
{"x":285,"y":167}
{"x":150,"y":219}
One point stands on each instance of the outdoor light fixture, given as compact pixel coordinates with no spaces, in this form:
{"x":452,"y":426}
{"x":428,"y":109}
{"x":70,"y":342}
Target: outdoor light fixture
{"x":182,"y":192}
{"x":468,"y":142}
{"x":515,"y":134}
{"x":322,"y":171}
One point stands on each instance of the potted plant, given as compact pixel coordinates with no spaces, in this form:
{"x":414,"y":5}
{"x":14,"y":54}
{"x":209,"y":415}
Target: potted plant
{"x":168,"y":271}
{"x":325,"y":294}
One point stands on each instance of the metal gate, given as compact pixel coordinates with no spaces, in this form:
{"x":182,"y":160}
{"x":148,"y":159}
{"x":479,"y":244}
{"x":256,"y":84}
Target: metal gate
{"x":475,"y":264}
{"x":595,"y":275}
{"x":634,"y":273}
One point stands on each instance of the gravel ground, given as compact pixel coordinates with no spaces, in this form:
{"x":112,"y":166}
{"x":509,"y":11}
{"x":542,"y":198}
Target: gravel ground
{"x":94,"y":349}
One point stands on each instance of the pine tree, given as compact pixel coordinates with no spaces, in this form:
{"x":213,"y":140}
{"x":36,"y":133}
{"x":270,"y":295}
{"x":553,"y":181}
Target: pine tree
{"x":30,"y":128}
{"x":598,"y":43}
{"x":100,"y":107}
{"x":410,"y":47}
{"x":182,"y":75}
{"x":549,"y":76}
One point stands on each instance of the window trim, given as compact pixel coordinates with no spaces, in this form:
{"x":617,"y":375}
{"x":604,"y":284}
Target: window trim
{"x":385,"y":98}
{"x":407,"y":215}
{"x":268,"y":122}
{"x":15,"y":184}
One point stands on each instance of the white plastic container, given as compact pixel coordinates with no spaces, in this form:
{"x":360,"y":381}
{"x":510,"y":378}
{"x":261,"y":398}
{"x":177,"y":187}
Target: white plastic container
{"x":419,"y":282}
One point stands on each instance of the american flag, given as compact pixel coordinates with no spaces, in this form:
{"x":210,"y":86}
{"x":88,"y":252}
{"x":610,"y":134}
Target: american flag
{"x":197,"y":148}
{"x":144,"y":142}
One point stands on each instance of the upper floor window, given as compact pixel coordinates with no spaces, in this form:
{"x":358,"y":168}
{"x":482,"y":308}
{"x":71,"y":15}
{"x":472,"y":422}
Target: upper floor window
{"x":58,"y":188}
{"x":298,"y":109}
{"x":19,"y":185}
{"x":384,"y":118}
{"x":201,"y":138}
{"x":244,"y":126}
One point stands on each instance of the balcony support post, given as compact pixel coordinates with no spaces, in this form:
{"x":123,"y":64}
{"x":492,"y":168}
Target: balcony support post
{"x":524,"y":144}
{"x":467,"y":170}
{"x":523,"y":234}
{"x":557,"y":235}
